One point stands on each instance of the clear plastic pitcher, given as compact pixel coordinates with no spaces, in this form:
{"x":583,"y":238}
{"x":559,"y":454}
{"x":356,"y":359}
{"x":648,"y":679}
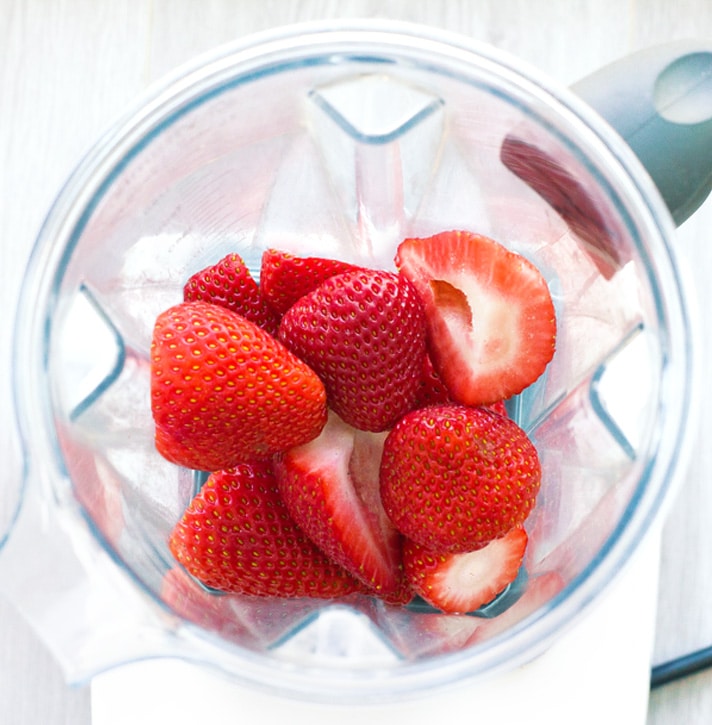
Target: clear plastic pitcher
{"x":339,"y":142}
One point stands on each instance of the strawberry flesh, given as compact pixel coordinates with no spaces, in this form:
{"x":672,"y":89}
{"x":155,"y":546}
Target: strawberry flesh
{"x":461,"y":583}
{"x":490,"y":317}
{"x":331,"y":489}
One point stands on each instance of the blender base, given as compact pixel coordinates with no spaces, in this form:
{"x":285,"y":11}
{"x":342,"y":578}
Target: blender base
{"x":598,"y":671}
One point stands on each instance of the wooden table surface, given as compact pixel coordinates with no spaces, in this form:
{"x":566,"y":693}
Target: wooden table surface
{"x":68,"y":68}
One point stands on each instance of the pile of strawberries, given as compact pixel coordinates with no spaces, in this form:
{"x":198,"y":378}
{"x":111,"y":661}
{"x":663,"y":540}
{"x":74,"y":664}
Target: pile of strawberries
{"x":352,"y":421}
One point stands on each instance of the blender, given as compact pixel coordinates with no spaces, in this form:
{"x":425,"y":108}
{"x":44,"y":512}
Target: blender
{"x":339,"y":141}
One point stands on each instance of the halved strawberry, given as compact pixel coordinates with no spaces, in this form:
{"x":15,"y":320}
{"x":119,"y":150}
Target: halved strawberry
{"x":285,"y":278}
{"x":461,"y":583}
{"x":228,"y":283}
{"x":237,"y":536}
{"x":223,"y":390}
{"x":363,"y":333}
{"x":490,"y":316}
{"x":330,"y":487}
{"x":453,"y":478}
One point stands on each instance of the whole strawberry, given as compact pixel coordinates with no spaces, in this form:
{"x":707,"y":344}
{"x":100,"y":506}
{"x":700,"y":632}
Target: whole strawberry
{"x":454,"y":478}
{"x":236,"y":536}
{"x":228,"y":283}
{"x":224,"y":391}
{"x":363,"y":333}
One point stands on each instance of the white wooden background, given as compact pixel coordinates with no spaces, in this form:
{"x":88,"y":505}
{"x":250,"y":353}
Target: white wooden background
{"x":68,"y":68}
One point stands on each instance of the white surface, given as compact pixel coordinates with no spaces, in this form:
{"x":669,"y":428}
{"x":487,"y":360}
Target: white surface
{"x":597,"y":673}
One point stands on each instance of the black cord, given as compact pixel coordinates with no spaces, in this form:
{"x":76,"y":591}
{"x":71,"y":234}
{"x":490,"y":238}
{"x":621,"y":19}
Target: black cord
{"x":680,"y":667}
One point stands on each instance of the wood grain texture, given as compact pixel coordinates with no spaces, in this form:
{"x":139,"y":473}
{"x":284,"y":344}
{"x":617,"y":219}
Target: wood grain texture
{"x":70,"y":67}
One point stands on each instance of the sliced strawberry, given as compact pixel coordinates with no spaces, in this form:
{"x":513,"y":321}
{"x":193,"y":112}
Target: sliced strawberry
{"x":237,"y":536}
{"x":363,"y":333}
{"x":453,"y":478}
{"x":490,"y":317}
{"x":223,"y":390}
{"x":285,"y":278}
{"x":330,"y":487}
{"x":230,"y":284}
{"x":461,"y":583}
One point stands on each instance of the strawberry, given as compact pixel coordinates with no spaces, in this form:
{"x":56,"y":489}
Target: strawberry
{"x":453,"y":478}
{"x":285,"y":278}
{"x":490,"y":317}
{"x":237,"y":536}
{"x":461,"y":583}
{"x":223,"y":390}
{"x":330,"y":487}
{"x":230,"y":284}
{"x":431,"y":389}
{"x":499,"y":407}
{"x":363,"y":333}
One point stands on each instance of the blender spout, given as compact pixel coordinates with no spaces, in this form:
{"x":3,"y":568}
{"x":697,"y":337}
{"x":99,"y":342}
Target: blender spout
{"x":80,"y":605}
{"x":660,"y":101}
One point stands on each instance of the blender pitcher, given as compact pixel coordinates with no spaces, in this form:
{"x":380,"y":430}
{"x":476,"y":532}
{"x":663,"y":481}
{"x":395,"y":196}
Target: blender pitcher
{"x":340,"y":141}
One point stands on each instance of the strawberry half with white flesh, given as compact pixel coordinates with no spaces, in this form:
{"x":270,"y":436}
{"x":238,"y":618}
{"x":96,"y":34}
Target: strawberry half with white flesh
{"x":330,"y":487}
{"x":461,"y":583}
{"x":490,"y":317}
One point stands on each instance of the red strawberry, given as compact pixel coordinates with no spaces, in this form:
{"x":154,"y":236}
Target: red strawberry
{"x":454,"y":478}
{"x":431,"y":390}
{"x":499,"y":407}
{"x":363,"y":333}
{"x":223,"y":390}
{"x":230,"y":284}
{"x":330,"y":487}
{"x":285,"y":278}
{"x":461,"y":583}
{"x":491,"y":320}
{"x":236,"y":536}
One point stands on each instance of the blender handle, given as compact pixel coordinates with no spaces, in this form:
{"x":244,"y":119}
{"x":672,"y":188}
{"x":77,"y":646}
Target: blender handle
{"x":660,"y":101}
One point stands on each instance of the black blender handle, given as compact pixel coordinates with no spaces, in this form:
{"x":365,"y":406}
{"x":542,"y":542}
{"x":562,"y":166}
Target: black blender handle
{"x":660,"y":101}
